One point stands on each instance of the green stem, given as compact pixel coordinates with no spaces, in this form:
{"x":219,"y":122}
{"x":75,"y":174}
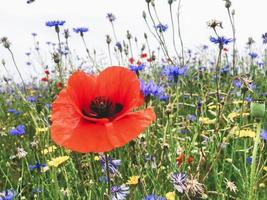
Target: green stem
{"x":108,"y":175}
{"x":253,"y":165}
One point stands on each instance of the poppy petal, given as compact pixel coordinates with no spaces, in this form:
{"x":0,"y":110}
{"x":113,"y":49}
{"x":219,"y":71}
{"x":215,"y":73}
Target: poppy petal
{"x":81,"y":87}
{"x":121,"y":85}
{"x":125,"y":129}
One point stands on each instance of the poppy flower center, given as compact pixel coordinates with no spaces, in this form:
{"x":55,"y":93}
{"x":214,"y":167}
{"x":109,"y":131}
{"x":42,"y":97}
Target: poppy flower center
{"x":102,"y":107}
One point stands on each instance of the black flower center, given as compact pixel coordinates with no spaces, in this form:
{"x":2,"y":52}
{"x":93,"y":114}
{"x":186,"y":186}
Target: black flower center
{"x":102,"y":107}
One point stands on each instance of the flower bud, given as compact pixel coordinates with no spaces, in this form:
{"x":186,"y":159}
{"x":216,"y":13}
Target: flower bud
{"x":257,"y":109}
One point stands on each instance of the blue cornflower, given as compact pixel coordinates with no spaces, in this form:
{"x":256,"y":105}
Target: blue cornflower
{"x":225,"y":69}
{"x":7,"y":195}
{"x":199,"y":103}
{"x":249,"y":160}
{"x":183,"y":131}
{"x":252,"y":86}
{"x":178,"y":180}
{"x":37,"y":166}
{"x":253,"y":55}
{"x":153,"y":197}
{"x":162,"y":27}
{"x":248,"y":99}
{"x":164,"y":97}
{"x":202,"y":68}
{"x":80,"y":30}
{"x":264,"y":38}
{"x":119,"y":192}
{"x":111,"y":17}
{"x":191,"y":118}
{"x":34,"y":34}
{"x":137,"y":68}
{"x":151,"y":89}
{"x":174,"y":72}
{"x":220,"y":40}
{"x":119,"y":46}
{"x":55,"y":23}
{"x":19,"y":130}
{"x":13,"y":111}
{"x":205,"y":47}
{"x":31,"y":99}
{"x":28,"y":53}
{"x":264,"y":135}
{"x":237,"y":83}
{"x":260,"y":64}
{"x":28,"y":63}
{"x":113,"y":165}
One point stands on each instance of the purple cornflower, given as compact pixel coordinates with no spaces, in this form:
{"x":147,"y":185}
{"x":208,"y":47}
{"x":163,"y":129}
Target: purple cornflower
{"x":31,"y":99}
{"x":13,"y":111}
{"x":178,"y":180}
{"x":28,"y":63}
{"x":137,"y":68}
{"x":119,"y":192}
{"x":37,"y":166}
{"x":153,"y":197}
{"x":162,"y":27}
{"x":19,"y":130}
{"x":113,"y":165}
{"x":55,"y":23}
{"x":264,"y":135}
{"x":225,"y":69}
{"x":237,"y":83}
{"x":249,"y":160}
{"x":205,"y":47}
{"x":111,"y":17}
{"x":253,"y":55}
{"x":174,"y":72}
{"x":220,"y":40}
{"x":191,"y":118}
{"x":119,"y":46}
{"x":264,"y":38}
{"x":28,"y":53}
{"x":7,"y":195}
{"x":34,"y":34}
{"x":248,"y":99}
{"x":151,"y":89}
{"x":80,"y":30}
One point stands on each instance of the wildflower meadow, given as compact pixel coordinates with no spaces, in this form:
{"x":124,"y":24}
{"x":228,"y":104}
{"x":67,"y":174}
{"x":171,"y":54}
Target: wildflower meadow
{"x":146,"y":119}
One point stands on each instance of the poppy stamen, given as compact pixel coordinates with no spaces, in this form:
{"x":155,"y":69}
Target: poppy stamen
{"x":102,"y":107}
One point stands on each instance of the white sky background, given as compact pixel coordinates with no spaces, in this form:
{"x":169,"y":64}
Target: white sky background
{"x":19,"y":19}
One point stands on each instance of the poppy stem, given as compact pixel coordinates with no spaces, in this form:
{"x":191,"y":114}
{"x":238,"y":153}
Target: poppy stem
{"x":108,"y":174}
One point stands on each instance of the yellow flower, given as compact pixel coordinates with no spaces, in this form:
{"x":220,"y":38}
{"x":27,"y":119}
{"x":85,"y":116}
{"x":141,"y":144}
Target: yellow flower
{"x":234,"y":115}
{"x":97,"y":158}
{"x":239,"y":102}
{"x":55,"y":162}
{"x":206,"y":120}
{"x":49,"y":150}
{"x":39,"y":130}
{"x":245,"y":133}
{"x":170,"y":196}
{"x":133,"y":180}
{"x":265,"y":168}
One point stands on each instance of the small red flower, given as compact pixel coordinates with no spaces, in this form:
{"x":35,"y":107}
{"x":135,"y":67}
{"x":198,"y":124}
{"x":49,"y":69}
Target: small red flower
{"x":44,"y":79}
{"x":47,"y":72}
{"x":131,"y":60}
{"x":59,"y":85}
{"x":180,"y":159}
{"x":138,"y":62}
{"x":143,"y":55}
{"x":95,"y":113}
{"x":225,"y":49}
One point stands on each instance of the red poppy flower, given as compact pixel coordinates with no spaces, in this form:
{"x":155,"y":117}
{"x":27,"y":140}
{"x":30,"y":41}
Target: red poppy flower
{"x":59,"y":85}
{"x":95,"y":113}
{"x":47,"y":72}
{"x":131,"y":60}
{"x":44,"y":79}
{"x":143,"y":55}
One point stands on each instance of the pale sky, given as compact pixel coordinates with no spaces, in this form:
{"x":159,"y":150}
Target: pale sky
{"x":19,"y":19}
